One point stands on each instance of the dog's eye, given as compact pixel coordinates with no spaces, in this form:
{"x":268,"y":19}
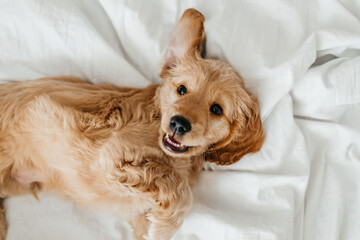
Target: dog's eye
{"x":181,"y":89}
{"x":216,"y":109}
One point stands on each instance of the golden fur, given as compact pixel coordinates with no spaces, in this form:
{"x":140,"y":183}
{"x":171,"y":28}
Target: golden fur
{"x":102,"y":146}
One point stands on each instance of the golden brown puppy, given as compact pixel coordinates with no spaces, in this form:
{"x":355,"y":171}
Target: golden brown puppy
{"x":135,"y":152}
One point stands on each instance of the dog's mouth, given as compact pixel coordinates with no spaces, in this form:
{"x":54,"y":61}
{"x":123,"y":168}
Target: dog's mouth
{"x":173,"y":145}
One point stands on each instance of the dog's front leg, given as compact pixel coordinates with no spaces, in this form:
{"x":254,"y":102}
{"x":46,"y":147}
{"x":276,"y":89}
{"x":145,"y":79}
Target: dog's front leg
{"x":140,"y":225}
{"x":167,"y":192}
{"x":173,"y":199}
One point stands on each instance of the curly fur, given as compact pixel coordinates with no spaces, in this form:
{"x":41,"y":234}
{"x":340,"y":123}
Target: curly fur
{"x":101,"y":145}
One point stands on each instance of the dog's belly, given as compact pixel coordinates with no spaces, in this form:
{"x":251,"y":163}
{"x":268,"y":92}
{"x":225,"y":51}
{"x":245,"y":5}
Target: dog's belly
{"x":125,"y":207}
{"x":119,"y":204}
{"x":45,"y":147}
{"x":112,"y":198}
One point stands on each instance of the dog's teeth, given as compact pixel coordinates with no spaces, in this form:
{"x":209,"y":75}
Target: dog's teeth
{"x":172,"y":142}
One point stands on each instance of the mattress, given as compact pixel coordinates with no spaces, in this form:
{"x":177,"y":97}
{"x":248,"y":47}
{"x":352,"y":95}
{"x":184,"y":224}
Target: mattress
{"x":302,"y":60}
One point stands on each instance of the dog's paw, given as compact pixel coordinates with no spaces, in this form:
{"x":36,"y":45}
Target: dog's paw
{"x":145,"y":237}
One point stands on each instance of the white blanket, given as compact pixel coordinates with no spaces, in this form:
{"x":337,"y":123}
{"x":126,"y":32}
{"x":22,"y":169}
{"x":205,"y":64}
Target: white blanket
{"x":302,"y":60}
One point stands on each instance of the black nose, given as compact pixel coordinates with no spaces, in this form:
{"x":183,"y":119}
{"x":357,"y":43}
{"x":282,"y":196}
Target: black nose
{"x":180,"y":125}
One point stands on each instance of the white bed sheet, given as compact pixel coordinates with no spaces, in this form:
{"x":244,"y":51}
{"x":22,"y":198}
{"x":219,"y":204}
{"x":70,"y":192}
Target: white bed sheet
{"x":302,"y":60}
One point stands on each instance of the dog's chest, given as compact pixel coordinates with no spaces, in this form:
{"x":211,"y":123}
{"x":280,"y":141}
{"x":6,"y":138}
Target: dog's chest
{"x":140,"y":134}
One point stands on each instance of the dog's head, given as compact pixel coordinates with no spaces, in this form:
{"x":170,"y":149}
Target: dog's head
{"x":205,"y":107}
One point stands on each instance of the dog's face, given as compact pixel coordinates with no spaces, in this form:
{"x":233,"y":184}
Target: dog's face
{"x":204,"y":106}
{"x":198,"y":99}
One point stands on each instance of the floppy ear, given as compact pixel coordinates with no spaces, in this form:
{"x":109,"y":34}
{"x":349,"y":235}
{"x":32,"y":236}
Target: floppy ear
{"x":186,"y":39}
{"x":246,"y":135}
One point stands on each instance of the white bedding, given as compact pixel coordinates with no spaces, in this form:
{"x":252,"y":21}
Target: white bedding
{"x":302,"y":60}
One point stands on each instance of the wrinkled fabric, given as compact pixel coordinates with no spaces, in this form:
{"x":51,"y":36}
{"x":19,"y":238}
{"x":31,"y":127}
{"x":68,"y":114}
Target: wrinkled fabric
{"x":302,"y":60}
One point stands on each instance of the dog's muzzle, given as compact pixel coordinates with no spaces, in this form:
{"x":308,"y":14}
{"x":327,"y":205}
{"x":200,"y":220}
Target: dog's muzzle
{"x":172,"y":145}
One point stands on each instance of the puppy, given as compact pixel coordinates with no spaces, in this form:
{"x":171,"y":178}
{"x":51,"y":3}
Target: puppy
{"x":133,"y":151}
